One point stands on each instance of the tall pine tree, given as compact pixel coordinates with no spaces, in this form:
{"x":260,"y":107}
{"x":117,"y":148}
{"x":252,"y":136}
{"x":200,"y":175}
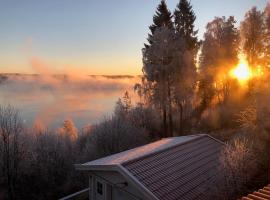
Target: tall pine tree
{"x":162,"y":18}
{"x":184,"y":19}
{"x":185,"y":78}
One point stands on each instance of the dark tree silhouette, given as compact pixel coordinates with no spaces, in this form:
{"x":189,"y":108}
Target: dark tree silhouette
{"x":162,"y":18}
{"x":184,"y":19}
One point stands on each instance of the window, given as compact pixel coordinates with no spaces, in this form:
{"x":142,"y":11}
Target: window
{"x":99,"y":188}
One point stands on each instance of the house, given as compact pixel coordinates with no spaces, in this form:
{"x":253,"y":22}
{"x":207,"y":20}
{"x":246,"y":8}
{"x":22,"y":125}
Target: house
{"x":169,"y":169}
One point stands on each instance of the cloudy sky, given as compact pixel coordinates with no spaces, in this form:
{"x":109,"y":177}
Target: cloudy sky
{"x":90,"y":36}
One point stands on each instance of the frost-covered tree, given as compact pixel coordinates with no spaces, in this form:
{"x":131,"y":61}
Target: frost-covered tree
{"x":68,"y":130}
{"x":184,"y":23}
{"x":147,"y":118}
{"x":11,"y":151}
{"x":266,"y":39}
{"x":50,"y":165}
{"x":220,"y":45}
{"x":157,"y":65}
{"x":252,"y":36}
{"x":161,"y":63}
{"x":123,"y":107}
{"x":162,"y":18}
{"x":119,"y":110}
{"x":238,"y":168}
{"x":127,"y":102}
{"x":114,"y":135}
{"x":169,"y":64}
{"x":184,"y":84}
{"x":185,"y":78}
{"x":219,"y":54}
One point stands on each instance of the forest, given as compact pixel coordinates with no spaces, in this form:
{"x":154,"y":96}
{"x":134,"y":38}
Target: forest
{"x":219,"y":85}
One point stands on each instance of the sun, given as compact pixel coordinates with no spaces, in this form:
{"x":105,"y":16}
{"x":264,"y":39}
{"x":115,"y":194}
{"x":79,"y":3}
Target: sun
{"x":242,"y":71}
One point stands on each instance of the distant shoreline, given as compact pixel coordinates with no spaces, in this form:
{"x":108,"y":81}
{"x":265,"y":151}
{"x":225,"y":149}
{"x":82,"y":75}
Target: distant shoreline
{"x":65,"y":75}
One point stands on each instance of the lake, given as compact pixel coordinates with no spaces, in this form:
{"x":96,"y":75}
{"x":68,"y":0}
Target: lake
{"x":50,"y":99}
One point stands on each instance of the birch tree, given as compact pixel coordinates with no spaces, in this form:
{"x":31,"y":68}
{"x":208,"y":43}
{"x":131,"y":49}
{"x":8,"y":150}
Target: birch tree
{"x":11,"y":151}
{"x":219,"y":54}
{"x":252,"y":36}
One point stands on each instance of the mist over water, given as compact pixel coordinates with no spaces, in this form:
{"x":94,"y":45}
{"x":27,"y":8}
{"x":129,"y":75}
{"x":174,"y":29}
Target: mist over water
{"x":50,"y":99}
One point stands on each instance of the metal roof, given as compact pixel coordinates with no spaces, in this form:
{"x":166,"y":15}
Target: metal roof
{"x":139,"y":152}
{"x":169,"y":169}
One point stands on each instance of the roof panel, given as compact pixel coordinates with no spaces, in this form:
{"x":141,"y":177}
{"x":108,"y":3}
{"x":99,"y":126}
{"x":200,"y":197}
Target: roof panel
{"x":179,"y":172}
{"x":142,"y":151}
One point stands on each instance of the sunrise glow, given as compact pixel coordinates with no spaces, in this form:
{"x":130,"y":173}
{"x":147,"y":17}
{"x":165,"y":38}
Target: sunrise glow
{"x":242,"y":71}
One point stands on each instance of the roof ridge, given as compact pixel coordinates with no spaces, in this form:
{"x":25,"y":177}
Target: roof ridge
{"x":165,"y":149}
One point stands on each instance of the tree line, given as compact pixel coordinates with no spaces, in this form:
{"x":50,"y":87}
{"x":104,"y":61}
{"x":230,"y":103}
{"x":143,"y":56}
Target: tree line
{"x":188,"y":80}
{"x":38,"y":162}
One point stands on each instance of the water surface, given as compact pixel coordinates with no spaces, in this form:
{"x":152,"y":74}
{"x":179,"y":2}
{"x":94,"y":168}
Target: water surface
{"x":50,"y":99}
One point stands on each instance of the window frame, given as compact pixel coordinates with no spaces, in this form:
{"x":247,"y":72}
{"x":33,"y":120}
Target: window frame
{"x":100,"y":189}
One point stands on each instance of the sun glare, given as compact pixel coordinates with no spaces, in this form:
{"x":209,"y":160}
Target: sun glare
{"x":242,"y":71}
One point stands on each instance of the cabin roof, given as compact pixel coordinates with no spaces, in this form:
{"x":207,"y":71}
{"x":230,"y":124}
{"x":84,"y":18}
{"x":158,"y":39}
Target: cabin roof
{"x":169,"y":169}
{"x":139,"y":152}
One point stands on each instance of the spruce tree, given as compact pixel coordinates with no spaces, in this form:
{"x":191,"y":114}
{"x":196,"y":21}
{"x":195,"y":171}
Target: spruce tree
{"x":162,"y":22}
{"x":162,"y":18}
{"x":185,"y":77}
{"x":184,"y":18}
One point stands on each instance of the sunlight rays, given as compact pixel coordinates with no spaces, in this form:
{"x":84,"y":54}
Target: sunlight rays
{"x":242,"y":72}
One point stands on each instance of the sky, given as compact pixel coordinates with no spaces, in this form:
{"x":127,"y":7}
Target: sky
{"x":101,"y":37}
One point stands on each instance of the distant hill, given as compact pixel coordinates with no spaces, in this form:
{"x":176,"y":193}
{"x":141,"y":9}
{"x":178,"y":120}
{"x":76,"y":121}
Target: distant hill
{"x":6,"y":75}
{"x":115,"y":76}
